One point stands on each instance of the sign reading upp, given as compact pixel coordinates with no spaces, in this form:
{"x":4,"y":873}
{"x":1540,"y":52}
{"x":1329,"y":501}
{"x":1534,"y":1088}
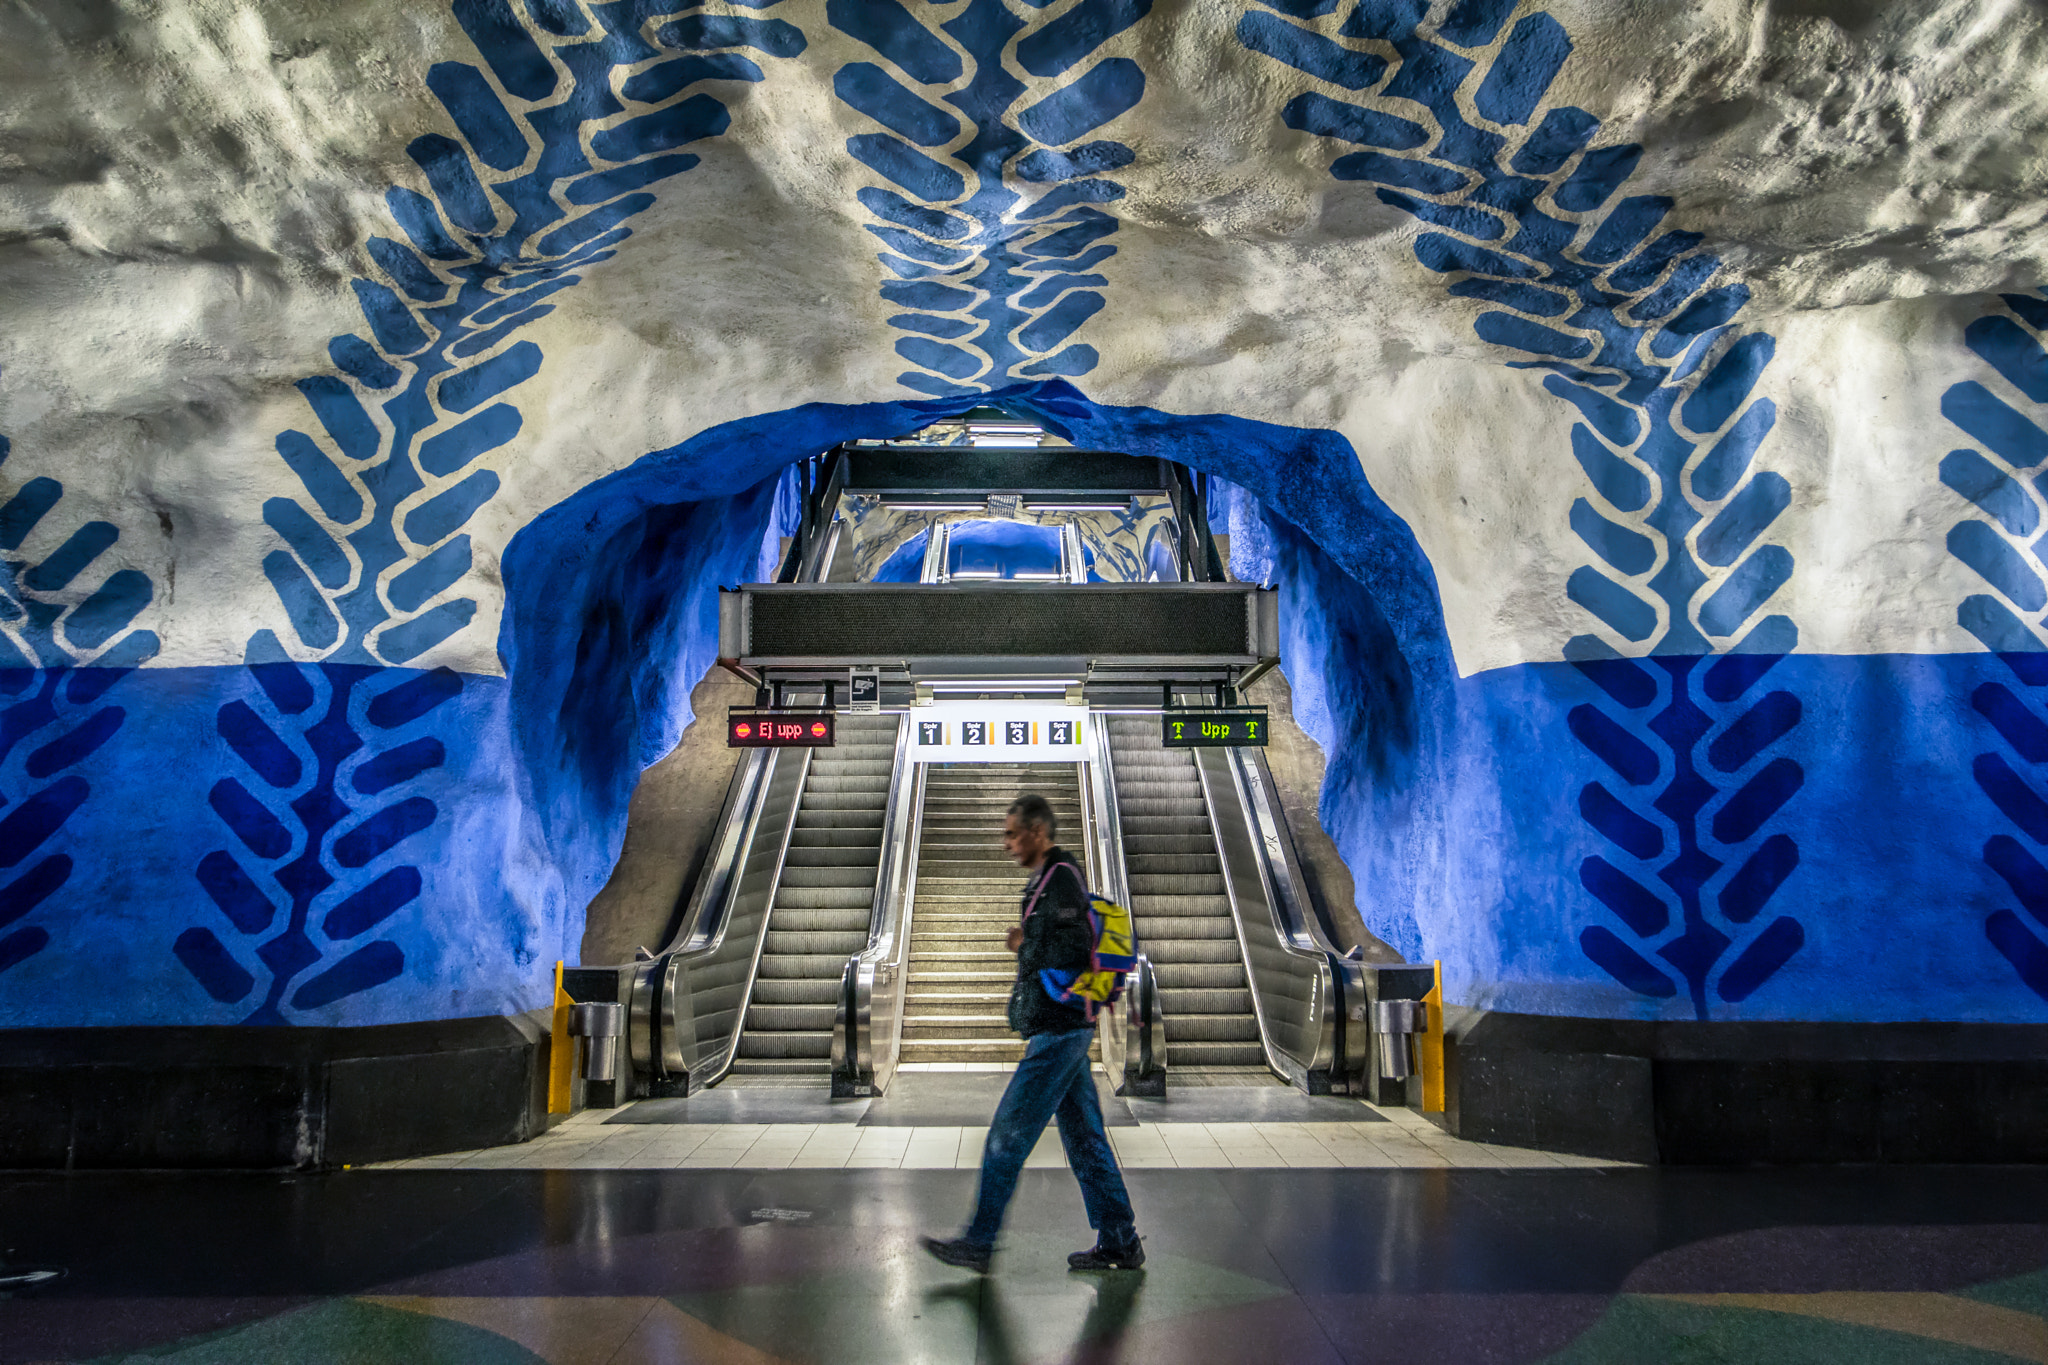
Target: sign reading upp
{"x":990,"y":214}
{"x":65,"y":641}
{"x":521,"y":194}
{"x":1624,"y":312}
{"x":2004,"y":545}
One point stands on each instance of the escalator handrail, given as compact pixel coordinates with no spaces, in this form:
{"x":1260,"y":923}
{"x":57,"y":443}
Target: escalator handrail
{"x":855,"y":1058}
{"x":1302,"y":922}
{"x":1219,"y":768}
{"x":712,"y":944}
{"x":1133,"y":1037}
{"x":701,"y":925}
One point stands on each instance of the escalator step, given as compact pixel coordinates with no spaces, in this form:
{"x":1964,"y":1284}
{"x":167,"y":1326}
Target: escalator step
{"x":1167,"y":952}
{"x":1206,"y":1001}
{"x":828,"y":875}
{"x":807,"y":942}
{"x":754,"y":1043}
{"x":1174,"y":928}
{"x":804,"y":991}
{"x":803,"y":966}
{"x":791,"y":1018}
{"x":1204,"y":1053}
{"x":1163,"y":884}
{"x":824,"y":897}
{"x":823,"y":921}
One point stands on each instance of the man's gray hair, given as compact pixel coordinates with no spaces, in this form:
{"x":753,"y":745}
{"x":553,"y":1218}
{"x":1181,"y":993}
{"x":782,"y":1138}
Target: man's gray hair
{"x":1035,"y":812}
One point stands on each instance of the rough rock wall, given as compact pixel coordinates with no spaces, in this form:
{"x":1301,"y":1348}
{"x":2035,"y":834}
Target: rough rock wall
{"x":1638,"y":407}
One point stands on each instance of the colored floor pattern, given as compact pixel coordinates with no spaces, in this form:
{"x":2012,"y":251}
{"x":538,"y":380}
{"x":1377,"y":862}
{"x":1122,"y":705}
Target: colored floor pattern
{"x":1621,"y":1266}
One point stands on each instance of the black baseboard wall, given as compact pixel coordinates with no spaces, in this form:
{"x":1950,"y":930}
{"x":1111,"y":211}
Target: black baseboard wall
{"x":1747,"y":1094}
{"x":267,"y":1098}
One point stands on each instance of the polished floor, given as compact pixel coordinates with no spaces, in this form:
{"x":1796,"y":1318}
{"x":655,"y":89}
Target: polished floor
{"x":1618,"y":1266}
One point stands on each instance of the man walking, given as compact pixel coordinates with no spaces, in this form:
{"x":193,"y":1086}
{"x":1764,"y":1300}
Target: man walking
{"x":1054,"y":1079}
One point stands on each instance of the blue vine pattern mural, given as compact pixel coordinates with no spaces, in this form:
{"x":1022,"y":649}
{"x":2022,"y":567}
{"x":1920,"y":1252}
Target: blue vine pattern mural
{"x":991,"y":188}
{"x":66,"y":639}
{"x":2003,"y":545}
{"x":523,"y":192}
{"x":1623,"y":311}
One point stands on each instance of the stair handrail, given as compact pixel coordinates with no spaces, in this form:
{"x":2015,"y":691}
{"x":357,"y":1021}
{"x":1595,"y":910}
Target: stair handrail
{"x":1132,"y":1034}
{"x":867,"y":1028}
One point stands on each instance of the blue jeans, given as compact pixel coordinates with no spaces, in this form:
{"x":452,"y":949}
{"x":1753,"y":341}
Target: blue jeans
{"x":1053,"y":1079}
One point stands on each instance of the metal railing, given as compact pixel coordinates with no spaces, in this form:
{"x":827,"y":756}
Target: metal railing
{"x":1132,"y":1035}
{"x":689,"y":1002}
{"x":1303,"y":990}
{"x":867,"y":1032}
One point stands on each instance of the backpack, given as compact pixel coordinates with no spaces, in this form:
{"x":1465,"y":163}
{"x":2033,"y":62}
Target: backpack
{"x":1113,"y":958}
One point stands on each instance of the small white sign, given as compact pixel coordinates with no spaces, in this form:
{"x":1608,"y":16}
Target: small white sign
{"x":999,"y":732}
{"x":864,"y":693}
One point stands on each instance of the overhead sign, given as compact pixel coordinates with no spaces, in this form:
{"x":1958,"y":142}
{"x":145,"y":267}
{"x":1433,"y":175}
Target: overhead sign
{"x":998,"y":732}
{"x":1192,"y":729}
{"x":864,"y":693}
{"x":763,"y":729}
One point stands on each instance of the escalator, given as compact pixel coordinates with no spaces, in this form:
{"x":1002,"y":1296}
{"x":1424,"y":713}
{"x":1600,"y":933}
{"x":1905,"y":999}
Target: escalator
{"x":1180,"y":902}
{"x":822,"y":903}
{"x":851,"y":911}
{"x":955,"y":1003}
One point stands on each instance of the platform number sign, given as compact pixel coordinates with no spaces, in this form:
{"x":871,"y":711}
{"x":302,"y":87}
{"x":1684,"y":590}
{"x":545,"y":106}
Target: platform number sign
{"x":1061,"y":732}
{"x":974,"y":732}
{"x":931,"y":732}
{"x":1016,"y":732}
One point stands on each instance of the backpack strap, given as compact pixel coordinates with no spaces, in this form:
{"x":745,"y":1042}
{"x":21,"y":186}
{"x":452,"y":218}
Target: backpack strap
{"x":1045,"y":879}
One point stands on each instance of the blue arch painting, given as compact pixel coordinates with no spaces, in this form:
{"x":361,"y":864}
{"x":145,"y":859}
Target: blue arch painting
{"x":332,"y":833}
{"x":2001,"y":541}
{"x":62,"y":654}
{"x":1526,"y":216}
{"x":992,"y":280}
{"x":324,"y":803}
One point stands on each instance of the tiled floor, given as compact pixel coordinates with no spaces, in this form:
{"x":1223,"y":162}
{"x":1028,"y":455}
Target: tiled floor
{"x":587,"y":1141}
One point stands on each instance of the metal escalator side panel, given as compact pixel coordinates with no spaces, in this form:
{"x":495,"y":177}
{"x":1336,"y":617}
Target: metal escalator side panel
{"x":1303,"y":919}
{"x":659,"y":1043}
{"x":854,"y":1056}
{"x":1137,"y":1032}
{"x":1290,"y":987}
{"x":728,"y":965}
{"x":882,"y":1062}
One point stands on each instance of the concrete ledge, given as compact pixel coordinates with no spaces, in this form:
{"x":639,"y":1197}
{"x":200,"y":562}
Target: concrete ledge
{"x":266,"y":1098}
{"x":1749,"y":1093}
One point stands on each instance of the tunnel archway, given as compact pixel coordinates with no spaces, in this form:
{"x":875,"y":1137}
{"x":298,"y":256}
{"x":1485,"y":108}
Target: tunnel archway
{"x":611,"y":617}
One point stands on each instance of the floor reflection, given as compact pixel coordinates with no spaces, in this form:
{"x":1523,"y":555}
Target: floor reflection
{"x":985,"y":1303}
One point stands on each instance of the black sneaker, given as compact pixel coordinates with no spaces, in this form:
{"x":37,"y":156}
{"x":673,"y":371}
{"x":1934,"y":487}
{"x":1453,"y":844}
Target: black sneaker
{"x":1100,"y":1257}
{"x":960,"y":1252}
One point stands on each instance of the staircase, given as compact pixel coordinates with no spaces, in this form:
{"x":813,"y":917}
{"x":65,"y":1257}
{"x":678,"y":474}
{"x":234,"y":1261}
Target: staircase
{"x":955,"y":1007}
{"x":1178,"y":901}
{"x":820,"y":914}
